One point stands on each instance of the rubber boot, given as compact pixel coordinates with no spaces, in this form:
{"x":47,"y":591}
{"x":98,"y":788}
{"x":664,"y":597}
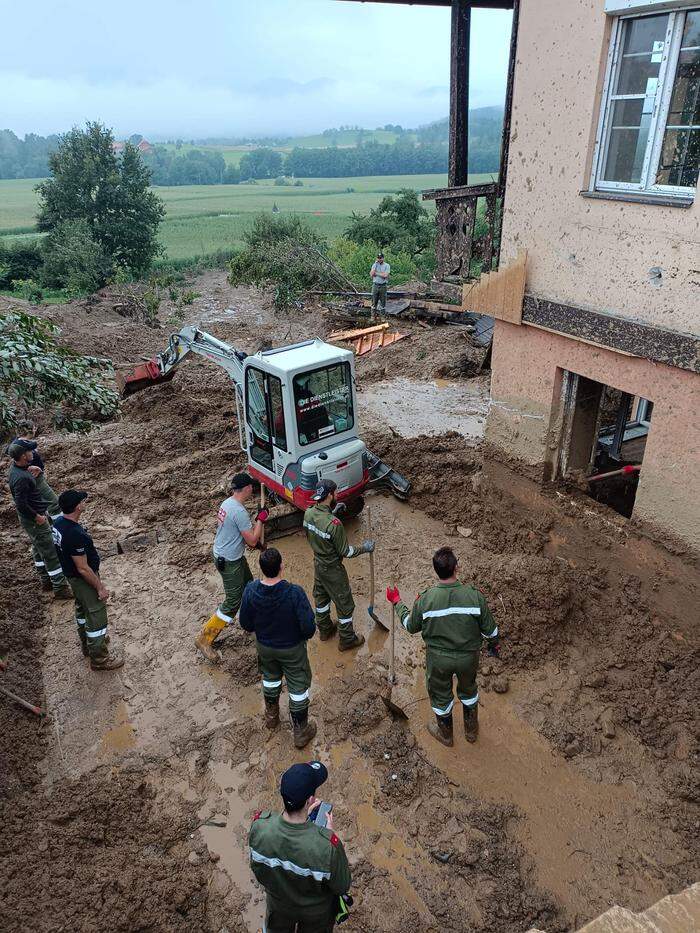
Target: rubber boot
{"x":304,"y":728}
{"x":471,"y":722}
{"x":110,"y":662}
{"x":211,"y":628}
{"x":327,"y":634}
{"x":441,"y":730}
{"x":83,"y":642}
{"x":272,"y":713}
{"x":349,"y":639}
{"x":63,"y":592}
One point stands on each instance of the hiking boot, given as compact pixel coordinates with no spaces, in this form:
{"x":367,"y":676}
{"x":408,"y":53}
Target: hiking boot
{"x":471,"y":722}
{"x":327,"y":634}
{"x":272,"y":713}
{"x":357,"y":640}
{"x":304,"y":729}
{"x":63,"y":592}
{"x":110,"y":662}
{"x":84,"y":646}
{"x":204,"y":645}
{"x":441,"y":730}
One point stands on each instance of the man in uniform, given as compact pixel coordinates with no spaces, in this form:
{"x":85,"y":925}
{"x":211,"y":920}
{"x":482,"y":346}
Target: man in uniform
{"x":233,"y":533}
{"x":282,"y":618}
{"x":32,"y":509}
{"x":302,"y":866}
{"x":38,"y":470}
{"x":329,"y":543}
{"x":453,"y":618}
{"x":81,"y":565}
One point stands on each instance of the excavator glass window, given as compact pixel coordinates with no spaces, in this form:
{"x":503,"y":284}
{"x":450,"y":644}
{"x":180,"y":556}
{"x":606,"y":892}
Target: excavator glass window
{"x":323,"y":402}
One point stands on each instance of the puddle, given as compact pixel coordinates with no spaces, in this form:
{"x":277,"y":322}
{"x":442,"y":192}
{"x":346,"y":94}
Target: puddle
{"x":412,"y":407}
{"x":121,"y":737}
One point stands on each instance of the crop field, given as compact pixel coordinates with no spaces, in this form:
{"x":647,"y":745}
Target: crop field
{"x":202,"y":219}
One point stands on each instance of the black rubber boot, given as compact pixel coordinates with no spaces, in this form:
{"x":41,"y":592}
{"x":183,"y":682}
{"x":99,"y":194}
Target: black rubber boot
{"x":272,"y":713}
{"x":304,"y":728}
{"x":328,"y":633}
{"x":471,"y":722}
{"x":441,"y":730}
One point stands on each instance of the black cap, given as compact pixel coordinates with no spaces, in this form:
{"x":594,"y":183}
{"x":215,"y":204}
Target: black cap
{"x":70,"y":499}
{"x":241,"y":480}
{"x":19,"y":446}
{"x":380,"y":255}
{"x":300,"y":782}
{"x":324,"y":488}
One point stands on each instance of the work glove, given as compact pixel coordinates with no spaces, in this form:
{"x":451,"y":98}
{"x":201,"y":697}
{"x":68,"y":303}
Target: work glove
{"x":367,"y":546}
{"x":494,"y":649}
{"x":393,"y":595}
{"x":340,"y":508}
{"x":262,"y":516}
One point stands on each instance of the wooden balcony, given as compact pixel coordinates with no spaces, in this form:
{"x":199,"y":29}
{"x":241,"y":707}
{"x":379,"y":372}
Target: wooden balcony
{"x":468,"y":230}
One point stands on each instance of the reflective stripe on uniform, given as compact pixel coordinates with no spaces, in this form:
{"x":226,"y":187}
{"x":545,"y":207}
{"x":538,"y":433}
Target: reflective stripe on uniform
{"x":452,"y":611}
{"x":345,"y":621}
{"x":272,"y":684}
{"x":39,"y":563}
{"x":446,"y":711}
{"x":493,"y":633}
{"x":102,"y":631}
{"x":317,"y":531}
{"x":298,"y":697}
{"x":289,"y":866}
{"x":323,"y":608}
{"x":223,"y":616}
{"x":55,"y":573}
{"x":351,"y":551}
{"x":470,"y":701}
{"x":406,"y":620}
{"x":80,"y":621}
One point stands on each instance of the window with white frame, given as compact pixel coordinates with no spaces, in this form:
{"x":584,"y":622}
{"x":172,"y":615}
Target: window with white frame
{"x":649,"y":135}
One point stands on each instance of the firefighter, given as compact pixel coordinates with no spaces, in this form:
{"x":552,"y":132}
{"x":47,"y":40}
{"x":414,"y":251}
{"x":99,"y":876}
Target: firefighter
{"x":302,"y":866}
{"x":233,"y":533}
{"x":32,"y":511}
{"x":282,"y":618}
{"x":453,"y":619}
{"x":329,"y":543}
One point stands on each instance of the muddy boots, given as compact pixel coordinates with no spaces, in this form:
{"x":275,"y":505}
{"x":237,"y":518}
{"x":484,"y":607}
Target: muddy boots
{"x":348,"y":638}
{"x":272,"y":713}
{"x":63,"y":592}
{"x":304,"y":728}
{"x":471,"y":722}
{"x":211,"y":628}
{"x":110,"y":662}
{"x":327,"y":633}
{"x":441,"y":730}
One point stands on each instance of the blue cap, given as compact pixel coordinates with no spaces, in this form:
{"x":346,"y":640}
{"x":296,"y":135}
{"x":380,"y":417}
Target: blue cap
{"x":301,"y":782}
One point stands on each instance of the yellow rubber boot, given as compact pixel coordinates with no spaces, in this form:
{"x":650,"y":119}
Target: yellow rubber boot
{"x":210,"y":630}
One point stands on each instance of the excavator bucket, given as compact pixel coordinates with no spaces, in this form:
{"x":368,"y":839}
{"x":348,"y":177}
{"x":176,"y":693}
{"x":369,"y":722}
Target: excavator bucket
{"x":143,"y":376}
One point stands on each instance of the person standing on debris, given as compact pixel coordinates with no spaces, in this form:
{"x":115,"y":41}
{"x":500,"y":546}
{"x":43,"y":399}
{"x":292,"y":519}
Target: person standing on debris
{"x":302,"y":866}
{"x":38,"y":471}
{"x":233,"y":533}
{"x":283,"y":621}
{"x":328,"y":541}
{"x":453,"y":618}
{"x":32,"y":509}
{"x":379,"y":273}
{"x":81,"y":565}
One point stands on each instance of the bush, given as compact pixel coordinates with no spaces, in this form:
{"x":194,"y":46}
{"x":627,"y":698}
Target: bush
{"x":19,"y":259}
{"x":356,"y":259}
{"x":27,"y":289}
{"x":73,"y":259}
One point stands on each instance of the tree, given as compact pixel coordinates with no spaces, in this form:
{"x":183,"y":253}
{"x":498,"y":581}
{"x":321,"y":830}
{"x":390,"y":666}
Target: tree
{"x":111,"y":194}
{"x":261,"y":163}
{"x":73,"y":259}
{"x":36,"y":373}
{"x":399,"y":221}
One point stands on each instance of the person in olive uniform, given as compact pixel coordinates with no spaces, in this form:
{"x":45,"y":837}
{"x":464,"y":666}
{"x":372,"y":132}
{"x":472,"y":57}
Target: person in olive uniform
{"x":81,"y":565}
{"x":302,"y":866}
{"x":329,"y":543}
{"x":33,"y":507}
{"x":453,"y":619}
{"x":281,"y":616}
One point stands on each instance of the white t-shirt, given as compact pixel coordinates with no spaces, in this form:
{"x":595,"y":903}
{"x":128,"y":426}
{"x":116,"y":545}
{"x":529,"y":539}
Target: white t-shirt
{"x":233,"y":518}
{"x":376,"y":269}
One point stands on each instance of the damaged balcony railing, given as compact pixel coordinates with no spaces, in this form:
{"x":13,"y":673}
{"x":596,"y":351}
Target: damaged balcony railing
{"x":468,"y":230}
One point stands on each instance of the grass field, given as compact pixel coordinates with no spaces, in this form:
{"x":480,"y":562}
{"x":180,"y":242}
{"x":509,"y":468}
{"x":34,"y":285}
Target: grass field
{"x":202,"y":219}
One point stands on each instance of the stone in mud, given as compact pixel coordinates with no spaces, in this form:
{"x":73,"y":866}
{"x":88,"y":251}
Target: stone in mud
{"x":465,"y":532}
{"x":500,"y":684}
{"x":607,"y":724}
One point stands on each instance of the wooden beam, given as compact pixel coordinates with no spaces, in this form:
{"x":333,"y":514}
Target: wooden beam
{"x":462,"y":191}
{"x":458,"y":169}
{"x":476,"y":4}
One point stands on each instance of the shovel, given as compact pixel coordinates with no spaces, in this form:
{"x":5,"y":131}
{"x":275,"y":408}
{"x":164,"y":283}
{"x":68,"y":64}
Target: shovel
{"x":394,"y":704}
{"x":370,"y":609}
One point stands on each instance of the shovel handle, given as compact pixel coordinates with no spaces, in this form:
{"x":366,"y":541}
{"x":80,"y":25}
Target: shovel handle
{"x":371,"y":560}
{"x":13,"y":696}
{"x":262,"y":506}
{"x":392,"y":660}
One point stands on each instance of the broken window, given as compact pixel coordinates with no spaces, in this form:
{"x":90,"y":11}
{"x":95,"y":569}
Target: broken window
{"x":649,"y":138}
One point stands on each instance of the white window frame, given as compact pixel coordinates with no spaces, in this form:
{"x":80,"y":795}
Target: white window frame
{"x":667,"y":69}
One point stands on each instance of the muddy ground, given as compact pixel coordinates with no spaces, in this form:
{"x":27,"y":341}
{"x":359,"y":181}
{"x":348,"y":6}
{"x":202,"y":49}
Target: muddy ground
{"x":581,"y":792}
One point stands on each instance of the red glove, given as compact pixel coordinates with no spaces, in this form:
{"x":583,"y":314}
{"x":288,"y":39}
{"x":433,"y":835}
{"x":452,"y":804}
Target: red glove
{"x":393,"y":595}
{"x":262,"y":516}
{"x":626,"y":470}
{"x":494,"y":649}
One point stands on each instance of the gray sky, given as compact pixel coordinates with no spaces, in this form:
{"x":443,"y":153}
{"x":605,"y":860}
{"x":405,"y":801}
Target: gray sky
{"x":235,"y":67}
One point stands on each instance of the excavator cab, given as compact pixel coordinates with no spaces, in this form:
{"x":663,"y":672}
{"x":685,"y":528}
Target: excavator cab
{"x":300,"y":421}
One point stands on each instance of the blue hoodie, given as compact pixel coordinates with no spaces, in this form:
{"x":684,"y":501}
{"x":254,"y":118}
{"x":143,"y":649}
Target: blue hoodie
{"x":280,"y":615}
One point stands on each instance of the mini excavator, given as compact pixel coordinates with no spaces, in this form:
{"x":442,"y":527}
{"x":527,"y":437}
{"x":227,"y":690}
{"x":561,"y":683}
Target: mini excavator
{"x":297,"y":418}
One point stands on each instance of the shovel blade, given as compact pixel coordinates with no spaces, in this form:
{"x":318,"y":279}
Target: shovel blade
{"x":375,"y":618}
{"x":391,"y":703}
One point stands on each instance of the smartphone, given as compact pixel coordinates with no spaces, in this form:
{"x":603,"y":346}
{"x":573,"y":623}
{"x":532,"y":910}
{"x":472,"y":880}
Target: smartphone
{"x":319,"y":816}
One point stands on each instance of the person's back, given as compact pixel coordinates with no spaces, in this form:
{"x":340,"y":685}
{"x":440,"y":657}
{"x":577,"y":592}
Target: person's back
{"x":279,"y":615}
{"x":453,"y":617}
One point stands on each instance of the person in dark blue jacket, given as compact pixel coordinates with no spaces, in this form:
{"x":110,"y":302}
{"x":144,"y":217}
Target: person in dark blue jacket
{"x":281,"y":616}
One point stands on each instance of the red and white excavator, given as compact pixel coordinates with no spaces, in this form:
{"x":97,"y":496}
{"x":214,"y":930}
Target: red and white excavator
{"x":297,"y":416}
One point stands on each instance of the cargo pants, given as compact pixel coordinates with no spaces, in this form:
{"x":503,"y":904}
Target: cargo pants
{"x":331,"y":585}
{"x":48,"y":495}
{"x":90,"y":617}
{"x":278,"y":920}
{"x":292,"y":664}
{"x":46,"y":559}
{"x":440,"y":669}
{"x":235,"y":575}
{"x":379,"y":296}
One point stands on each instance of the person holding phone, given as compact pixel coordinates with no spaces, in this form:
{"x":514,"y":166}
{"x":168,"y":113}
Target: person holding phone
{"x":301,"y":864}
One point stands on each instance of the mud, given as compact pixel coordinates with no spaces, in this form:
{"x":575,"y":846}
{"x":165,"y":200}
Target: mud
{"x":581,"y":792}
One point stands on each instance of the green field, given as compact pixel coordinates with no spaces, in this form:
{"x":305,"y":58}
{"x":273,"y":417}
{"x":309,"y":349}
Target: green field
{"x":202,"y":219}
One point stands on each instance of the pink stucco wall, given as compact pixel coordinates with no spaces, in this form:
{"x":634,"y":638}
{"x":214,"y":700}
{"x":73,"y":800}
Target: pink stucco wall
{"x":525,"y":361}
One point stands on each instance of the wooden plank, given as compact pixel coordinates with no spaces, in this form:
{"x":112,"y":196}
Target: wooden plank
{"x":358,"y":332}
{"x":458,"y":158}
{"x":499,"y":294}
{"x":461,"y":191}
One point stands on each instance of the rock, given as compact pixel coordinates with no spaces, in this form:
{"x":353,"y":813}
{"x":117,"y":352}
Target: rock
{"x":464,"y":532}
{"x":500,"y":684}
{"x":595,"y":680}
{"x":607,"y":724}
{"x":194,"y":859}
{"x":573,"y":748}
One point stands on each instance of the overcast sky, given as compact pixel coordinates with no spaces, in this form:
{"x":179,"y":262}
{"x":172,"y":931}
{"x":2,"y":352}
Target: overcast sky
{"x":235,"y":67}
